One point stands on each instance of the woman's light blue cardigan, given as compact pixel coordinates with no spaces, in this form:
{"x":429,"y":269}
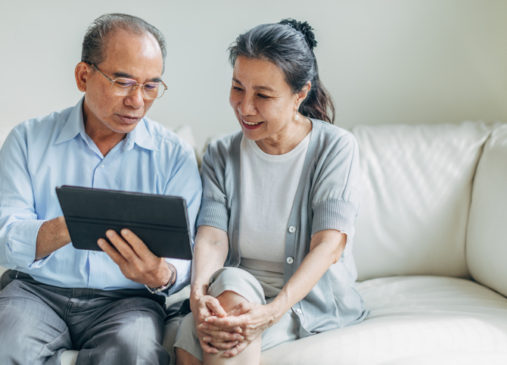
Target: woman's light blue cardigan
{"x":327,"y":197}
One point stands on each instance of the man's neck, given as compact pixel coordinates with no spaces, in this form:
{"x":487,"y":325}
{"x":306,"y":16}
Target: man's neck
{"x":105,"y":142}
{"x":104,"y":138}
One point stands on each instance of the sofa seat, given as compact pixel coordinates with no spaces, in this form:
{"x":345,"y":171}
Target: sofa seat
{"x":412,"y":320}
{"x":416,"y":320}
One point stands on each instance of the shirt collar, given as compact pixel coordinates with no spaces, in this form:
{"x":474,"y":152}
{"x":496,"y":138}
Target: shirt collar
{"x":140,"y":136}
{"x":74,"y":125}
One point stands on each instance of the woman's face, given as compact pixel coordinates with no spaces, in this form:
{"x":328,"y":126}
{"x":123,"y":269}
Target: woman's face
{"x":262,"y":100}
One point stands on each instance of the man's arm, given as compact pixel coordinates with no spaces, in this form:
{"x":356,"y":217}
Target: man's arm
{"x":133,"y":257}
{"x":52,"y":235}
{"x":24,"y":237}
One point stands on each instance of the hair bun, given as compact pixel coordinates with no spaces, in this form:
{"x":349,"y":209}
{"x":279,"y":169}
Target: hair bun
{"x":304,"y":28}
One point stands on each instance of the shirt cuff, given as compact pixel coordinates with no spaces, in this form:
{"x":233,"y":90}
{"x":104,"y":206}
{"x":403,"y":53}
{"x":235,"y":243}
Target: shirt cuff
{"x":21,"y":243}
{"x":182,"y":274}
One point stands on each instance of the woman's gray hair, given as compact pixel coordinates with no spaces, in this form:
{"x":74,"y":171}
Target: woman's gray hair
{"x":93,"y":42}
{"x":289,"y":45}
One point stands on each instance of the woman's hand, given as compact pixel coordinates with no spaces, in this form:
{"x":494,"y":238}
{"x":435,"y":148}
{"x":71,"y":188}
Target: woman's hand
{"x":247,"y":319}
{"x":212,"y":338}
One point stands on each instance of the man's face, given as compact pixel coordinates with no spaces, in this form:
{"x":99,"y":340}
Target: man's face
{"x":126,"y":55}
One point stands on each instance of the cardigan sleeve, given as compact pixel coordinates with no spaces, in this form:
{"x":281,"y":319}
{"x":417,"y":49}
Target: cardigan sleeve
{"x":214,"y":211}
{"x":336,"y":192}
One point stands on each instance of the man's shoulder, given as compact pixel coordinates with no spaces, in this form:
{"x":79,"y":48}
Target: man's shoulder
{"x":42,"y":126}
{"x":164,"y":138}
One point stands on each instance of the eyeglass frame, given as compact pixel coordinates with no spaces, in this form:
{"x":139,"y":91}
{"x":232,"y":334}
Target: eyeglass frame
{"x":132,"y":87}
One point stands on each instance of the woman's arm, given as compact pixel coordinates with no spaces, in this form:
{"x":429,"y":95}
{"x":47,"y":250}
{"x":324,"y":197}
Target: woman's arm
{"x":211,"y":248}
{"x":326,"y":248}
{"x":210,"y":253}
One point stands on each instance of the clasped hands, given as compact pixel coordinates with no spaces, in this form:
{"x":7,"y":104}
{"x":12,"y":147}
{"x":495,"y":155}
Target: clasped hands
{"x":230,"y":332}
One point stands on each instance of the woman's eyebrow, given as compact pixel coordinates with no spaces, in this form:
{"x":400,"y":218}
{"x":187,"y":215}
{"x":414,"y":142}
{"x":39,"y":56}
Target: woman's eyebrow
{"x":267,"y":88}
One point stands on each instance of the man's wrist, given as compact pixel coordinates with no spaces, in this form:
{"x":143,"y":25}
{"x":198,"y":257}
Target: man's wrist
{"x":170,"y":282}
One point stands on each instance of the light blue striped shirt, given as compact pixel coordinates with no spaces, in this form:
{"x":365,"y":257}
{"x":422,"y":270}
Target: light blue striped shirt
{"x":43,"y":153}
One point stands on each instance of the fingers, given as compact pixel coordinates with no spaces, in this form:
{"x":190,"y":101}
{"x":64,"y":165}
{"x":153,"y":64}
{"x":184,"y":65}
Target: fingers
{"x":236,"y":349}
{"x":218,"y":334}
{"x":215,"y":307}
{"x":110,"y":251}
{"x":240,"y":309}
{"x":223,"y":346}
{"x":229,"y":322}
{"x":137,"y":245}
{"x":129,"y":245}
{"x":122,"y":247}
{"x":208,"y":348}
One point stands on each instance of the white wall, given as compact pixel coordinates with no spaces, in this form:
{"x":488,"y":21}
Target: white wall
{"x":391,"y":61}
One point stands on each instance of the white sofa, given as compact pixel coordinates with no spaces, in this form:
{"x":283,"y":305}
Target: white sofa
{"x":430,"y":250}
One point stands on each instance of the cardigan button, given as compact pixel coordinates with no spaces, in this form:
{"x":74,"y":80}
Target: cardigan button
{"x":292,"y":229}
{"x":290,"y":260}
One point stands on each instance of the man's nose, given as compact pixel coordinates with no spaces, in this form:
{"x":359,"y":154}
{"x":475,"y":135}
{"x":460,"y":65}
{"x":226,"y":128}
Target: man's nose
{"x":135,"y":98}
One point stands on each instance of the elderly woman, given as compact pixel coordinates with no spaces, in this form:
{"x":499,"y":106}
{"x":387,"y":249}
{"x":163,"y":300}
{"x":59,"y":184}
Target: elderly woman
{"x":273,"y":254}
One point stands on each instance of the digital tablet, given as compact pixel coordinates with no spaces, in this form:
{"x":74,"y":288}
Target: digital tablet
{"x":160,"y":221}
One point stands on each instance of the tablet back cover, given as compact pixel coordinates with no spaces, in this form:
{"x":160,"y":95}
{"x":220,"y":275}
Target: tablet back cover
{"x":160,"y":221}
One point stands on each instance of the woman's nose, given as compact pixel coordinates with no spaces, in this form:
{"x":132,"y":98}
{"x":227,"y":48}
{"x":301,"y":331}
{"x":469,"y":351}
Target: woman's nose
{"x":246,"y":106}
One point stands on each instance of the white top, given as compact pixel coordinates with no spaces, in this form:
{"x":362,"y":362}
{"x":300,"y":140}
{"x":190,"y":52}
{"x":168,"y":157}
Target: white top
{"x":268,"y":186}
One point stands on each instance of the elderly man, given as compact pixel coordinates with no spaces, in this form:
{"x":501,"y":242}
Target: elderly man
{"x":108,"y":305}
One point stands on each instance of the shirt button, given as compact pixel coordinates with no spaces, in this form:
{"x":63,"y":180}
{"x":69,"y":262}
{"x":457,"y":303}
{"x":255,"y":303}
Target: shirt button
{"x":292,"y":229}
{"x":290,"y":260}
{"x":299,"y":311}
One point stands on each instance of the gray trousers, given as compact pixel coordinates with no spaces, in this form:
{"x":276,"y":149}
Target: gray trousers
{"x":39,"y":322}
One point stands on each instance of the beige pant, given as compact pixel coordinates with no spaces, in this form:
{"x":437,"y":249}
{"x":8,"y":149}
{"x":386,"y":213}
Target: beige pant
{"x":245,"y":284}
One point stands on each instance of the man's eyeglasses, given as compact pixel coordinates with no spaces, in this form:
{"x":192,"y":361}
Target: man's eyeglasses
{"x":123,"y":86}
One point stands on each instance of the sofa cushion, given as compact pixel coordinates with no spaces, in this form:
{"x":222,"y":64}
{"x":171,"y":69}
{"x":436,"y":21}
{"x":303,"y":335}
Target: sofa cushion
{"x":416,"y":196}
{"x":414,"y":317}
{"x":487,"y":242}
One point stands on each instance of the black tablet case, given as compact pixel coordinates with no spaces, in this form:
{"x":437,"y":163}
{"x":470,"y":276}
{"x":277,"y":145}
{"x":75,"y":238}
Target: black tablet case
{"x":160,"y":221}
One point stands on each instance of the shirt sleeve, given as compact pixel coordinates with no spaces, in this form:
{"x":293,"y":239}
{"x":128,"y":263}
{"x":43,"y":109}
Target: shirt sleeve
{"x":19,"y":225}
{"x":183,"y":274}
{"x":214,"y":211}
{"x":185,"y":181}
{"x":336,"y":196}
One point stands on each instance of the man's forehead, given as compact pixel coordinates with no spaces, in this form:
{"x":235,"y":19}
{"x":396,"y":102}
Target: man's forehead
{"x":124,"y":49}
{"x":120,"y":37}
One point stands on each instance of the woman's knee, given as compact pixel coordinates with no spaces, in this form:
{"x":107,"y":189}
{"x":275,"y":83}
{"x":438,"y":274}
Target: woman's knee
{"x":230,"y":299}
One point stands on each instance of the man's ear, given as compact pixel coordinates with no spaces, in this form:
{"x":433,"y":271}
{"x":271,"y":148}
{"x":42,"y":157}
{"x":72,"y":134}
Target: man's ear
{"x":82,"y":72}
{"x":303,"y":93}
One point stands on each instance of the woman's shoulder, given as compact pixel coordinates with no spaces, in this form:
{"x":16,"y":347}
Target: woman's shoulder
{"x":330,"y":136}
{"x":225,"y":145}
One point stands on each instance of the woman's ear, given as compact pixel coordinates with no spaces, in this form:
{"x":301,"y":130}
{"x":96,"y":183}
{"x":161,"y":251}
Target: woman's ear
{"x":303,"y":93}
{"x":82,"y":72}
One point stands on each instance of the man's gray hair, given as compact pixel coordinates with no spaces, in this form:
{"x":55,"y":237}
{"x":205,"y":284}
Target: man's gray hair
{"x":93,"y":42}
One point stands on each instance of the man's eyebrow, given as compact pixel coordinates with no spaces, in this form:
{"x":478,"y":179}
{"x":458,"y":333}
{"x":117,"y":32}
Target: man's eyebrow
{"x":129,"y":76}
{"x":267,"y":88}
